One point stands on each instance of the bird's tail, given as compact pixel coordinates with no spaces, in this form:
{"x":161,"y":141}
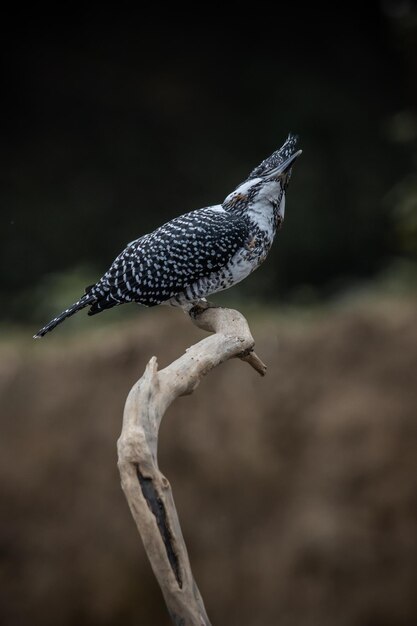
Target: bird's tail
{"x":77,"y":306}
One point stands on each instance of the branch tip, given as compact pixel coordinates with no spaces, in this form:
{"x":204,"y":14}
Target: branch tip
{"x":254,"y":361}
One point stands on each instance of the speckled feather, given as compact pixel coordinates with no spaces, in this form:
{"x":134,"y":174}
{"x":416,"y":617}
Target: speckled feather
{"x":201,"y":252}
{"x":158,"y":266}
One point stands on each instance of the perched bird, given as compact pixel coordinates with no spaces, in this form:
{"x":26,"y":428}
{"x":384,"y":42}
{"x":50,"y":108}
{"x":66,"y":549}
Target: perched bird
{"x":198,"y":253}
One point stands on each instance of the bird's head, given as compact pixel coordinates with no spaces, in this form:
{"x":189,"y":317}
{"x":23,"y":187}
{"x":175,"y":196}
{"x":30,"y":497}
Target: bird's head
{"x":267,"y":183}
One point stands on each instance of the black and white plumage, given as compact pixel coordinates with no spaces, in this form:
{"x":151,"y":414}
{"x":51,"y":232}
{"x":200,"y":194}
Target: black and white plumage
{"x":199,"y":253}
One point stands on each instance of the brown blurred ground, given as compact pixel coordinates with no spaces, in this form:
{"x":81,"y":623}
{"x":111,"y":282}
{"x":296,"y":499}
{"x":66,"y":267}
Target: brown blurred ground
{"x":297,"y":492}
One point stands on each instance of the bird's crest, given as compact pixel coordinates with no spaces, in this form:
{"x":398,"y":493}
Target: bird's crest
{"x":278,"y":157}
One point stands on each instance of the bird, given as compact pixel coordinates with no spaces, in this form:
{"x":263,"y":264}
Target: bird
{"x":199,"y":253}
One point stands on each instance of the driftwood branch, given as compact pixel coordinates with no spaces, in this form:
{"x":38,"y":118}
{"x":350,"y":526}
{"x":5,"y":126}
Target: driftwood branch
{"x":147,"y":491}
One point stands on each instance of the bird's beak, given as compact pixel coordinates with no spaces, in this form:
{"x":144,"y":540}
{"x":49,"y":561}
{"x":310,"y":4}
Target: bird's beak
{"x":284,"y":166}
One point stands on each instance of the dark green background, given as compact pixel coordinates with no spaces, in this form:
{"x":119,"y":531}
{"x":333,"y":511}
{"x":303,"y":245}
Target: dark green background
{"x":112,"y":126}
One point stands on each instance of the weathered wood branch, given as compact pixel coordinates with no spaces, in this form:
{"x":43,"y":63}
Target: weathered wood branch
{"x":147,"y":491}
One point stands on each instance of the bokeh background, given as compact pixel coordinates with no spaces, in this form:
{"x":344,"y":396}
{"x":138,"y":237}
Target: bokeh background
{"x":297,"y":492}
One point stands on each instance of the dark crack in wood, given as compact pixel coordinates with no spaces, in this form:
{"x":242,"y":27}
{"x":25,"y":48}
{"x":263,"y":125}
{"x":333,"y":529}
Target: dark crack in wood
{"x":178,"y":621}
{"x":157,"y":507}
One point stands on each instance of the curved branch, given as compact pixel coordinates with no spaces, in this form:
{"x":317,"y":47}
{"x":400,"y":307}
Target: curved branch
{"x":147,"y":491}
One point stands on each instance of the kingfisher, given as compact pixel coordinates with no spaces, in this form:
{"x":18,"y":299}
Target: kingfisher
{"x":199,"y":253}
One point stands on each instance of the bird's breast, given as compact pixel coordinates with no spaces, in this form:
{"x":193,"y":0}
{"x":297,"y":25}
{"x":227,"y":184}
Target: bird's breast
{"x":251,"y":255}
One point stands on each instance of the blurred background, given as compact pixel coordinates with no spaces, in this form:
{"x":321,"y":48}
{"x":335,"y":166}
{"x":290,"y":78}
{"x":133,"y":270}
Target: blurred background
{"x":297,"y":492}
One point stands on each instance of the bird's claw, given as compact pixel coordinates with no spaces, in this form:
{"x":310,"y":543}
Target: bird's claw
{"x":200,"y":307}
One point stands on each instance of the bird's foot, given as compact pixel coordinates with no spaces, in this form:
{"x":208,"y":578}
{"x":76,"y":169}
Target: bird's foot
{"x":198,"y":308}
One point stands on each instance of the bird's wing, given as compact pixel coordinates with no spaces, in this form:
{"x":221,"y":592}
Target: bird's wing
{"x":161,"y":265}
